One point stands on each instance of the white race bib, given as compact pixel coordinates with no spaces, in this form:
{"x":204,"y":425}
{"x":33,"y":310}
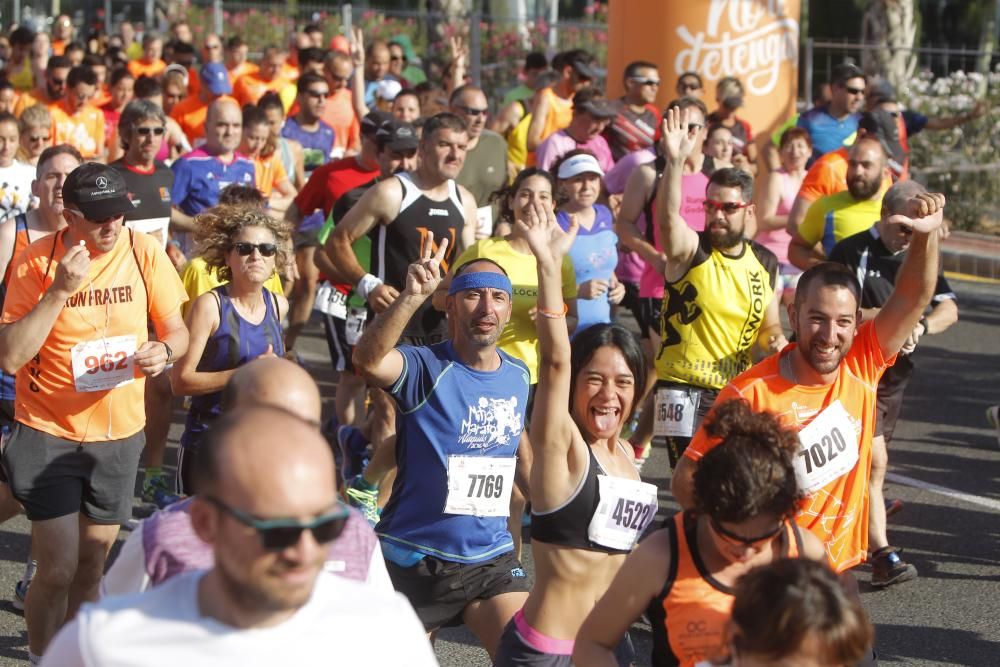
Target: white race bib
{"x":479,"y":485}
{"x":625,"y":509}
{"x":484,"y":222}
{"x":828,"y":449}
{"x":99,"y":365}
{"x":331,"y":301}
{"x":355,"y":324}
{"x":676,"y":411}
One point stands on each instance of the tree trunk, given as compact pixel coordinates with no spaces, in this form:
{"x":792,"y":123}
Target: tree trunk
{"x":890,"y":27}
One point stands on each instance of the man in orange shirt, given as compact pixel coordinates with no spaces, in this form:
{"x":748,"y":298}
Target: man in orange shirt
{"x":74,"y":332}
{"x":339,"y":112}
{"x":824,"y":385}
{"x":191,"y":112}
{"x":249,"y":88}
{"x":236,"y":59}
{"x":50,"y":91}
{"x":151,"y":63}
{"x":62,"y":34}
{"x":76,"y":121}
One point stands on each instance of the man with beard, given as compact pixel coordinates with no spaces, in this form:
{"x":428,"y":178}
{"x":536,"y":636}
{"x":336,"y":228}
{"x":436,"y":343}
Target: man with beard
{"x":460,"y":407}
{"x":269,"y":514}
{"x":875,"y":256}
{"x":718,"y":295}
{"x":51,"y":90}
{"x":825,"y":384}
{"x":405,"y":215}
{"x":835,"y":217}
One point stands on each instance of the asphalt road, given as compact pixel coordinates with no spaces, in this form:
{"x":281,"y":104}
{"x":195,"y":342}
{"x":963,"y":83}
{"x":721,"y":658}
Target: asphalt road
{"x":945,"y":463}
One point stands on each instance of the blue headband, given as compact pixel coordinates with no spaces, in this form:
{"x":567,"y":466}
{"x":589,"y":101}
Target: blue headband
{"x":479,"y":280}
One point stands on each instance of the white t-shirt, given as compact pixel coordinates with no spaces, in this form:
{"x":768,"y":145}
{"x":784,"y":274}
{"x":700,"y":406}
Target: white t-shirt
{"x":15,"y":188}
{"x":345,"y":623}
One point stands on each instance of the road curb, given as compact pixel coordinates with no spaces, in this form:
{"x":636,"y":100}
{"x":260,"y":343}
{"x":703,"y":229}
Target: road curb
{"x":969,"y":254}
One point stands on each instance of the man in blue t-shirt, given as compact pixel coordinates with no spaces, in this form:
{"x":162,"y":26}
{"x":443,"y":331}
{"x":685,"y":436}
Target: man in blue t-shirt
{"x":833,"y":124}
{"x":460,"y":415}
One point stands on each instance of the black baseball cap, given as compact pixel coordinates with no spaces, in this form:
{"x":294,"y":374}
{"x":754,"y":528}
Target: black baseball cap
{"x":373,"y":121}
{"x":397,"y":136}
{"x":884,"y":126}
{"x":581,"y":64}
{"x":590,"y":100}
{"x":98,"y":191}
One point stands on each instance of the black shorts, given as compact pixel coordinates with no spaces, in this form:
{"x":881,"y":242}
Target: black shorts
{"x":52,"y":477}
{"x":336,"y":341}
{"x":677,"y":444}
{"x":649,"y":316}
{"x":889,"y":398}
{"x":6,"y":423}
{"x":631,"y":301}
{"x":440,"y":590}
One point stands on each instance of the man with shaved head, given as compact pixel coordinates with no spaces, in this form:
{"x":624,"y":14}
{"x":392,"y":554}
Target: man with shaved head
{"x":199,"y":176}
{"x":270,"y":519}
{"x":165,"y":545}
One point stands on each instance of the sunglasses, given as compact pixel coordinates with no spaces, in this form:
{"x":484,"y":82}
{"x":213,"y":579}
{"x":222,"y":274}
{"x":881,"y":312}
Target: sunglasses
{"x":733,"y":538}
{"x":146,"y":131}
{"x":645,"y":82}
{"x":471,"y":111}
{"x":690,"y":86}
{"x":728,"y":207}
{"x":35,"y":139}
{"x":57,"y":82}
{"x":279,"y":534}
{"x":855,"y":91}
{"x":317,"y":94}
{"x":246,"y":249}
{"x":396,"y":59}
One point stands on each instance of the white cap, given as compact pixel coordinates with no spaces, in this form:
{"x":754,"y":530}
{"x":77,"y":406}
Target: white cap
{"x":388,"y":89}
{"x":579,"y":164}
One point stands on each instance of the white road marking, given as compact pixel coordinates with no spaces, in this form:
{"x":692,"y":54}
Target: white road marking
{"x":944,"y":491}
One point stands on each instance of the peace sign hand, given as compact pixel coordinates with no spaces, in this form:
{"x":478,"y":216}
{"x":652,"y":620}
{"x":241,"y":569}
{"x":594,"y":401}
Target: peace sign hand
{"x":424,"y":275}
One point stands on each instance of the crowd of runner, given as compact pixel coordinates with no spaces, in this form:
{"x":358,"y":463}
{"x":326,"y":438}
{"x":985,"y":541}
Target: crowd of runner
{"x":174,"y":213}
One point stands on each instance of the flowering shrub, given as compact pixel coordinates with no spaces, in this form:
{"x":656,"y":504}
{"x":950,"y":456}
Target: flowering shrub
{"x":961,"y":162}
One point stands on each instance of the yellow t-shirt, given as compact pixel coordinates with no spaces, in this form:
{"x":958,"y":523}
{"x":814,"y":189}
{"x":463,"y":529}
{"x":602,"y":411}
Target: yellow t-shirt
{"x":559,"y":115}
{"x":517,"y":144}
{"x":198,"y":279}
{"x":835,"y":217}
{"x":520,"y":337}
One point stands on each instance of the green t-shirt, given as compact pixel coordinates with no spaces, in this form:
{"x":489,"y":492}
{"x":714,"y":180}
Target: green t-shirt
{"x":837,"y":216}
{"x":519,"y":92}
{"x":519,"y":337}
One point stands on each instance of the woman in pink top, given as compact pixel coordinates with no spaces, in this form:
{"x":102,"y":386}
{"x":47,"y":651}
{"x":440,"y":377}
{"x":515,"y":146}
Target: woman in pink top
{"x":775,"y":201}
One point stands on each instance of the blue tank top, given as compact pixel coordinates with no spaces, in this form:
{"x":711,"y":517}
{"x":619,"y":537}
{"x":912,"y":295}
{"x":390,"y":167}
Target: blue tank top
{"x":21,"y":228}
{"x":233,"y":344}
{"x":316,"y":147}
{"x":595,"y":256}
{"x":445,"y":408}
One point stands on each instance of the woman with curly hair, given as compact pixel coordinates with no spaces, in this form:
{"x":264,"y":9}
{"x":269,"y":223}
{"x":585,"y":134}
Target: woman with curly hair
{"x":233,"y":323}
{"x":684,"y":575}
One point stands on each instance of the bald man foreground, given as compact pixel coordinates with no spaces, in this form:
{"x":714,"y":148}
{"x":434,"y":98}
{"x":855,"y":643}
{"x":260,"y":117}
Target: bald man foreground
{"x":269,"y":520}
{"x":165,"y":545}
{"x":200,"y":175}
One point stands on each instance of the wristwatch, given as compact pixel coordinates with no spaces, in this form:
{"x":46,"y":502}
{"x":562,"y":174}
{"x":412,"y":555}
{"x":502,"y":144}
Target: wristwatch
{"x":170,"y":353}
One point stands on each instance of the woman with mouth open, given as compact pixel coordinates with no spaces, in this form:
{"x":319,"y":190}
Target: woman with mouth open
{"x":589,"y":506}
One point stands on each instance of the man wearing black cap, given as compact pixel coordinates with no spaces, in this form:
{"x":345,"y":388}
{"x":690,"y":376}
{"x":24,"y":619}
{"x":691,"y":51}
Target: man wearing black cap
{"x":74,"y":332}
{"x":554,"y":108}
{"x":831,"y":125}
{"x":591,"y":115}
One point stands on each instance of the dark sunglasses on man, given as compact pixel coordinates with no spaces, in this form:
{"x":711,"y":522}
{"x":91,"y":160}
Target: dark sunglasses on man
{"x":279,"y":534}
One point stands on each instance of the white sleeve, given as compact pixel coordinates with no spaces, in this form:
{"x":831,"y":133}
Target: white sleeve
{"x":378,"y":576}
{"x":65,"y":649}
{"x":412,"y":647}
{"x":128,"y":573}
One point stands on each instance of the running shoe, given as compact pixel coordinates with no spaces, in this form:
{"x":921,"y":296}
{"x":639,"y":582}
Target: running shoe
{"x":352,"y":448}
{"x":156,"y":490}
{"x":20,"y":595}
{"x":641,"y":453}
{"x":893,"y":506}
{"x":993,"y":417}
{"x":888,"y":568}
{"x":363,"y":496}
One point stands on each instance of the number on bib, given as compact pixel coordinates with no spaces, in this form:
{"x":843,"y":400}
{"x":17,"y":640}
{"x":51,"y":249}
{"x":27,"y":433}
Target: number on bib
{"x":828,"y":449}
{"x":625,"y":509}
{"x":675,"y":412}
{"x":479,"y":485}
{"x":99,"y":365}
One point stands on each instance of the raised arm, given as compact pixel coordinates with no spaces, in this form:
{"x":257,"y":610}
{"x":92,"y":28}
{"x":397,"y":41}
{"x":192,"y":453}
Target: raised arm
{"x":358,"y":75}
{"x":638,"y":190}
{"x":769,"y":197}
{"x":374,"y":356}
{"x":917,"y":276}
{"x":679,"y":241}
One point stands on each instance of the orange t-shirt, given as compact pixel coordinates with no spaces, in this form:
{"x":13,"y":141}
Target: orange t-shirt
{"x":559,"y":115}
{"x":249,"y":88}
{"x":191,"y":113}
{"x":269,"y":172}
{"x":837,"y":513}
{"x":83,"y":130}
{"x":339,"y":114}
{"x":30,"y":99}
{"x":59,"y":47}
{"x":139,"y":68}
{"x":132,"y":283}
{"x":828,"y":176}
{"x":246,"y":68}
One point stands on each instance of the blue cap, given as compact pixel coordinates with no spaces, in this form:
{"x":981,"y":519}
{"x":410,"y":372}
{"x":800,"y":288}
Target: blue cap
{"x":215,"y":76}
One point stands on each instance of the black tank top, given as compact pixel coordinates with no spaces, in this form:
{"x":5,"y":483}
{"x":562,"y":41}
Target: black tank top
{"x":399,"y":244}
{"x":568,"y":525}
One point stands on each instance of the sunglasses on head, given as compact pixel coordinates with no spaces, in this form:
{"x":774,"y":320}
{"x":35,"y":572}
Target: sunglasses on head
{"x":727,"y":207}
{"x":644,"y":82}
{"x":146,"y":131}
{"x":246,"y":249}
{"x":279,"y":534}
{"x":733,"y":538}
{"x":472,"y":111}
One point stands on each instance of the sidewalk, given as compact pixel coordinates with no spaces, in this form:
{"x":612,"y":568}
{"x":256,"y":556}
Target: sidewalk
{"x":971,"y":256}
